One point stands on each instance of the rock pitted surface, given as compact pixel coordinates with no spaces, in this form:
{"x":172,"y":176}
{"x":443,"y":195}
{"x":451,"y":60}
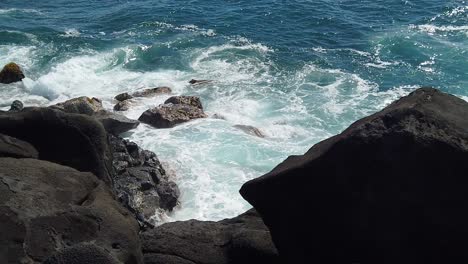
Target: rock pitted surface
{"x":390,"y":189}
{"x":243,"y":239}
{"x":73,"y":140}
{"x":11,"y":73}
{"x":48,"y":210}
{"x":141,"y":182}
{"x":176,"y":110}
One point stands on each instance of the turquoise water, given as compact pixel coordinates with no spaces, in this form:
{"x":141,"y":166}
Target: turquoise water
{"x":300,"y":71}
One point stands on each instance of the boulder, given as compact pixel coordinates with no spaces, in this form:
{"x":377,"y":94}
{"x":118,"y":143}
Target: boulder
{"x":11,"y":73}
{"x":74,"y":140}
{"x":243,"y":239}
{"x":251,"y":130}
{"x":169,"y":115}
{"x":114,"y":123}
{"x":141,"y":183}
{"x":49,"y":213}
{"x":16,"y":106}
{"x":186,"y":100}
{"x":391,"y":188}
{"x":15,"y":148}
{"x":80,"y":105}
{"x":123,"y":106}
{"x":152,"y":92}
{"x":122,"y":97}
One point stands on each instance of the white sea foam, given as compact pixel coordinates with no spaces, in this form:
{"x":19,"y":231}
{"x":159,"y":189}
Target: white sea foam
{"x":19,"y":10}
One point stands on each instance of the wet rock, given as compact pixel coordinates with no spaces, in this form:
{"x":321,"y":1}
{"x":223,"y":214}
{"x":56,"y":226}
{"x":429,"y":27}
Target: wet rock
{"x":77,"y":141}
{"x":169,"y":115}
{"x":114,"y":123}
{"x":15,"y":148}
{"x":185,"y":100}
{"x":196,"y":82}
{"x":81,"y":105}
{"x":82,"y":253}
{"x":141,"y":183}
{"x":48,"y":211}
{"x":152,"y":92}
{"x":16,"y":106}
{"x":251,"y":130}
{"x":390,"y":189}
{"x":123,"y":106}
{"x":11,"y":73}
{"x":243,"y":239}
{"x":122,"y":97}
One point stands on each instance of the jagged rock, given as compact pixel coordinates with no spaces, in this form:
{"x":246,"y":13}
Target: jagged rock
{"x":48,"y":211}
{"x":390,"y":189}
{"x":169,"y":115}
{"x":185,"y":100}
{"x":122,"y":97}
{"x":114,"y":123}
{"x":152,"y":92}
{"x":81,"y":105}
{"x":122,"y":106}
{"x":251,"y":130}
{"x":15,"y":148}
{"x":141,"y":182}
{"x":11,"y":73}
{"x":73,"y":140}
{"x":243,"y":239}
{"x":16,"y":106}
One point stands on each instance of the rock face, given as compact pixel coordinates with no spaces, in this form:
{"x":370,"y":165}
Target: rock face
{"x":77,"y":141}
{"x":243,"y":239}
{"x":13,"y":147}
{"x":390,"y":189}
{"x":141,"y":182}
{"x":112,"y":122}
{"x":176,"y":110}
{"x":55,"y":214}
{"x":11,"y":73}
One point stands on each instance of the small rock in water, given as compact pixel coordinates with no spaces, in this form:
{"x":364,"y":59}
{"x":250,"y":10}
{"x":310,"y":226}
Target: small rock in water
{"x":114,"y":123}
{"x":122,"y":106}
{"x":186,"y":100}
{"x":11,"y":73}
{"x":152,"y":92}
{"x":169,"y":115}
{"x":251,"y":130}
{"x":194,"y":82}
{"x":16,"y":106}
{"x":122,"y":97}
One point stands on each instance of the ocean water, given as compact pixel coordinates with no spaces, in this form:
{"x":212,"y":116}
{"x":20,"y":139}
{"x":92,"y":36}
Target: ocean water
{"x":298,"y":70}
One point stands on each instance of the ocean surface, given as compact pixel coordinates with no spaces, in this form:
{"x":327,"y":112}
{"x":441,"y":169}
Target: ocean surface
{"x":300,"y":71}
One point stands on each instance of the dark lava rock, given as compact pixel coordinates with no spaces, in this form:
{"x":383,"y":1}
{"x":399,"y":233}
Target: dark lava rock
{"x":48,"y":210}
{"x":141,"y":183}
{"x":392,"y":188}
{"x":152,"y":92}
{"x":122,"y":106}
{"x":81,"y":105}
{"x":251,"y":130}
{"x":82,"y":253}
{"x":77,"y":141}
{"x":186,"y":100}
{"x":11,"y":73}
{"x":169,"y":115}
{"x":16,"y":106}
{"x":122,"y":97}
{"x":15,"y":148}
{"x":114,"y":123}
{"x":243,"y":239}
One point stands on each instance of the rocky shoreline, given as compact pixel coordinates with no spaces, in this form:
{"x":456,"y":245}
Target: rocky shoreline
{"x":389,"y":189}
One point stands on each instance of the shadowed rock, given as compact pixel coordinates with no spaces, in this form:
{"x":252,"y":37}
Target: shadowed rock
{"x":390,"y":189}
{"x":15,"y":148}
{"x":16,"y":106}
{"x":11,"y":73}
{"x":243,"y":239}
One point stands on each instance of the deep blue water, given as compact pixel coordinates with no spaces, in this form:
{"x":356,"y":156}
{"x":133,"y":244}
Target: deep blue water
{"x":300,"y":71}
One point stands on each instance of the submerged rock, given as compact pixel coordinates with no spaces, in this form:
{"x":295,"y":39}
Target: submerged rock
{"x":390,"y":189}
{"x":141,"y":182}
{"x":114,"y":123}
{"x":16,"y":106}
{"x":251,"y":130}
{"x":77,"y":141}
{"x":51,"y":213}
{"x":185,"y":100}
{"x":243,"y":239}
{"x":169,"y":115}
{"x":11,"y":73}
{"x":196,"y":82}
